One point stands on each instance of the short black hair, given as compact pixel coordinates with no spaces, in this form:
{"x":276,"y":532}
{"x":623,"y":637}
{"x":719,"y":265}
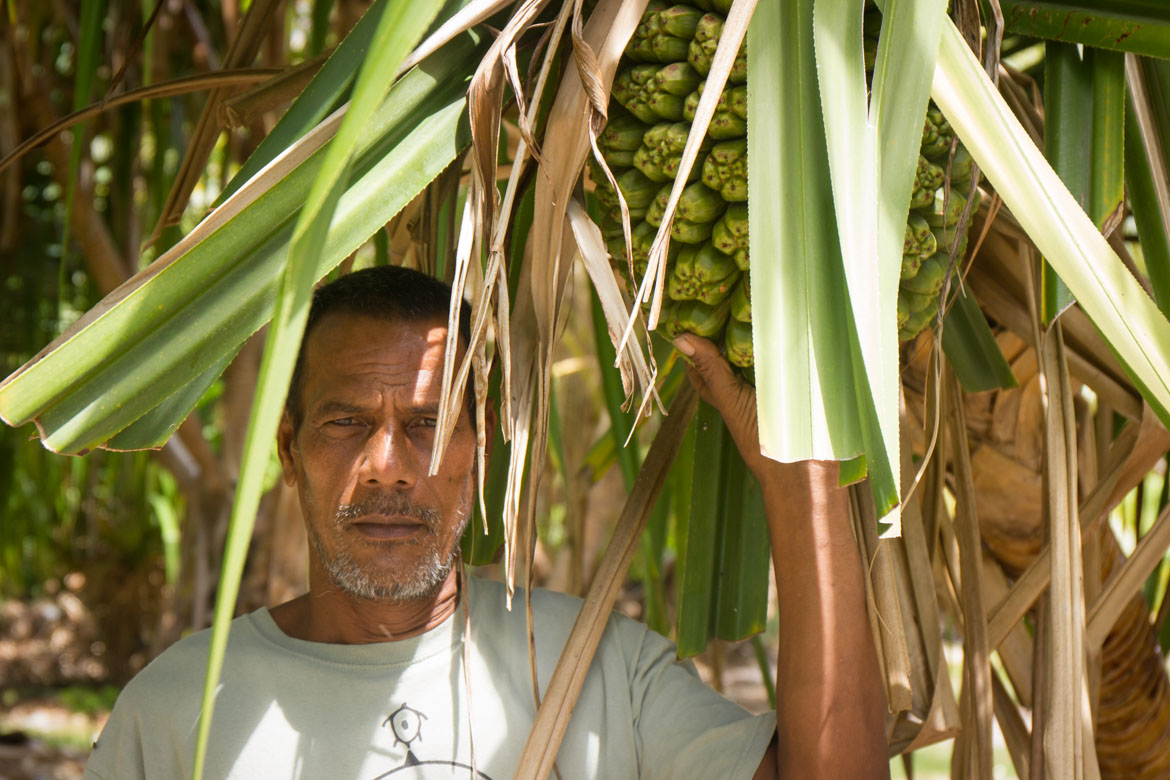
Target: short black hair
{"x":386,"y":292}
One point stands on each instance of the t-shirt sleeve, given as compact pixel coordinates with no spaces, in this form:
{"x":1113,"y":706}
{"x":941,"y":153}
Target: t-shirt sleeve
{"x":684,"y":728}
{"x":118,"y":752}
{"x":145,"y":734}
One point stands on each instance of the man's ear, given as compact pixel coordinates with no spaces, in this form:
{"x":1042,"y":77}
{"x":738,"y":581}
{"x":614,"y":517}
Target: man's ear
{"x":285,"y":435}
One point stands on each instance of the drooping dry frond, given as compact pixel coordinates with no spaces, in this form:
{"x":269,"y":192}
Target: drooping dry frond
{"x":631,"y":363}
{"x":567,"y":144}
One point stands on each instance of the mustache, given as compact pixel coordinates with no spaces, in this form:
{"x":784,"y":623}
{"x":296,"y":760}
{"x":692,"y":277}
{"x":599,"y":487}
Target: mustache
{"x":388,"y":505}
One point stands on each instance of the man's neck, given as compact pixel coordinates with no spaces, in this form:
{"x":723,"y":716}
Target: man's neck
{"x":328,"y":614}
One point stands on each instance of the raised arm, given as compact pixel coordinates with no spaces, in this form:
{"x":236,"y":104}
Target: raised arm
{"x":829,"y":700}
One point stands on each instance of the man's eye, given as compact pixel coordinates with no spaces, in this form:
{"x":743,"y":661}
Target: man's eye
{"x":428,"y":422}
{"x":343,"y":422}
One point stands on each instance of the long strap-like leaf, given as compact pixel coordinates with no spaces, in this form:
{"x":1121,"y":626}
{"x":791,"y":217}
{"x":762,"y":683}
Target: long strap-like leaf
{"x":1068,"y":130}
{"x":802,"y":365}
{"x":399,"y":29}
{"x":1146,"y":168}
{"x":1134,"y":327}
{"x":195,"y":305}
{"x":1140,"y":26}
{"x":872,"y":153}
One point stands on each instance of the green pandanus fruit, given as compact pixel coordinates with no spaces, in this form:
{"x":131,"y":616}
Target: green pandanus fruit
{"x":730,"y":234}
{"x":653,"y":93}
{"x":725,"y":169}
{"x":621,"y":139}
{"x":695,"y":216}
{"x":741,"y":300}
{"x":702,"y":273}
{"x":703,"y":319}
{"x":664,"y":34}
{"x":730,"y":119}
{"x":704,"y":44}
{"x":655,"y":96}
{"x":656,"y":92}
{"x":737,"y":340}
{"x":660,"y":152}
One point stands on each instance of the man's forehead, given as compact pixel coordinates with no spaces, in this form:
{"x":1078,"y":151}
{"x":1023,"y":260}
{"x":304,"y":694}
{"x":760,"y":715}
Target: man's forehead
{"x":352,"y":347}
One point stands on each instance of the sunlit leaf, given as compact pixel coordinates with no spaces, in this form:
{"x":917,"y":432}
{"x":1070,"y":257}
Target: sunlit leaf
{"x":399,"y":29}
{"x":1136,"y":330}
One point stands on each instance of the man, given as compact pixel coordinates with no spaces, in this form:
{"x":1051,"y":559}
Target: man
{"x":384,"y":668}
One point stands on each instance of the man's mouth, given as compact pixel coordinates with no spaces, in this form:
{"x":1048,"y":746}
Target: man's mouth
{"x":381,"y":527}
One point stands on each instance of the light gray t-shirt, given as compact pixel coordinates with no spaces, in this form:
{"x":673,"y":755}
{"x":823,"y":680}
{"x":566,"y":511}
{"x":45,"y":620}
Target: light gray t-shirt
{"x":403,"y":710}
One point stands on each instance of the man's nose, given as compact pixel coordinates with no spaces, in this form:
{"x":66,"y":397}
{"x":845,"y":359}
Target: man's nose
{"x":389,"y":459}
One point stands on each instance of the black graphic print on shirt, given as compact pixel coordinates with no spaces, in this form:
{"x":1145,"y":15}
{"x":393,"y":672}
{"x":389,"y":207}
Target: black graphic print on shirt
{"x":406,"y":723}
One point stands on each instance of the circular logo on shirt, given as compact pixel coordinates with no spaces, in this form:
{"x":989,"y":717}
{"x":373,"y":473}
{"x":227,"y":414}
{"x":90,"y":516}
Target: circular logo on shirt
{"x":406,"y":723}
{"x":431,"y":770}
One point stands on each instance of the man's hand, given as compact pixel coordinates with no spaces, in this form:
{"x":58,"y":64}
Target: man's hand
{"x":732,"y":397}
{"x":735,"y":400}
{"x":828,"y":683}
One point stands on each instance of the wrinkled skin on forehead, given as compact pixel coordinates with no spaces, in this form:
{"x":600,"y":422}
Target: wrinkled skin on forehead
{"x":380,"y":528}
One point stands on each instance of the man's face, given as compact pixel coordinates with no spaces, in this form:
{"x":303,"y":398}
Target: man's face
{"x":369,"y":392}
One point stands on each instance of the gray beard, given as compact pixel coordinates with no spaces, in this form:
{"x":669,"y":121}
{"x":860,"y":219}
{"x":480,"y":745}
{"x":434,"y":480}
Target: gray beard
{"x":421,"y":581}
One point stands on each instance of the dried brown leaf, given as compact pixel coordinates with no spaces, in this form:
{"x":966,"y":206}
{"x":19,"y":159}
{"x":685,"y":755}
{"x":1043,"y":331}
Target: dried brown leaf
{"x":553,"y":717}
{"x":544,"y":277}
{"x":269,"y":95}
{"x":179,"y":86}
{"x":243,"y":50}
{"x":976,"y":653}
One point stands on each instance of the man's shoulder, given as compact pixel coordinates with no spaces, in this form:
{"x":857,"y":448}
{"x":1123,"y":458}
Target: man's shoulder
{"x":554,"y":614}
{"x":490,"y":599}
{"x":177,"y":673}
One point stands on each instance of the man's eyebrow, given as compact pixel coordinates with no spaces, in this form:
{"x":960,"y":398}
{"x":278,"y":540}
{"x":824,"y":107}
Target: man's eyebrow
{"x":337,"y":407}
{"x":326,"y":408}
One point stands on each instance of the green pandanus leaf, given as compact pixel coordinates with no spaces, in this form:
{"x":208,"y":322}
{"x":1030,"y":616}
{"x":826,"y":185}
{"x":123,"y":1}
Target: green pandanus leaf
{"x":397,"y":33}
{"x":724,"y":544}
{"x":1107,"y":162}
{"x":164,"y":331}
{"x":1137,"y":332}
{"x":1068,"y":132}
{"x":323,"y":94}
{"x":971,"y":349}
{"x":745,"y":550}
{"x":1153,"y":231}
{"x":699,"y":534}
{"x":1139,"y":26}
